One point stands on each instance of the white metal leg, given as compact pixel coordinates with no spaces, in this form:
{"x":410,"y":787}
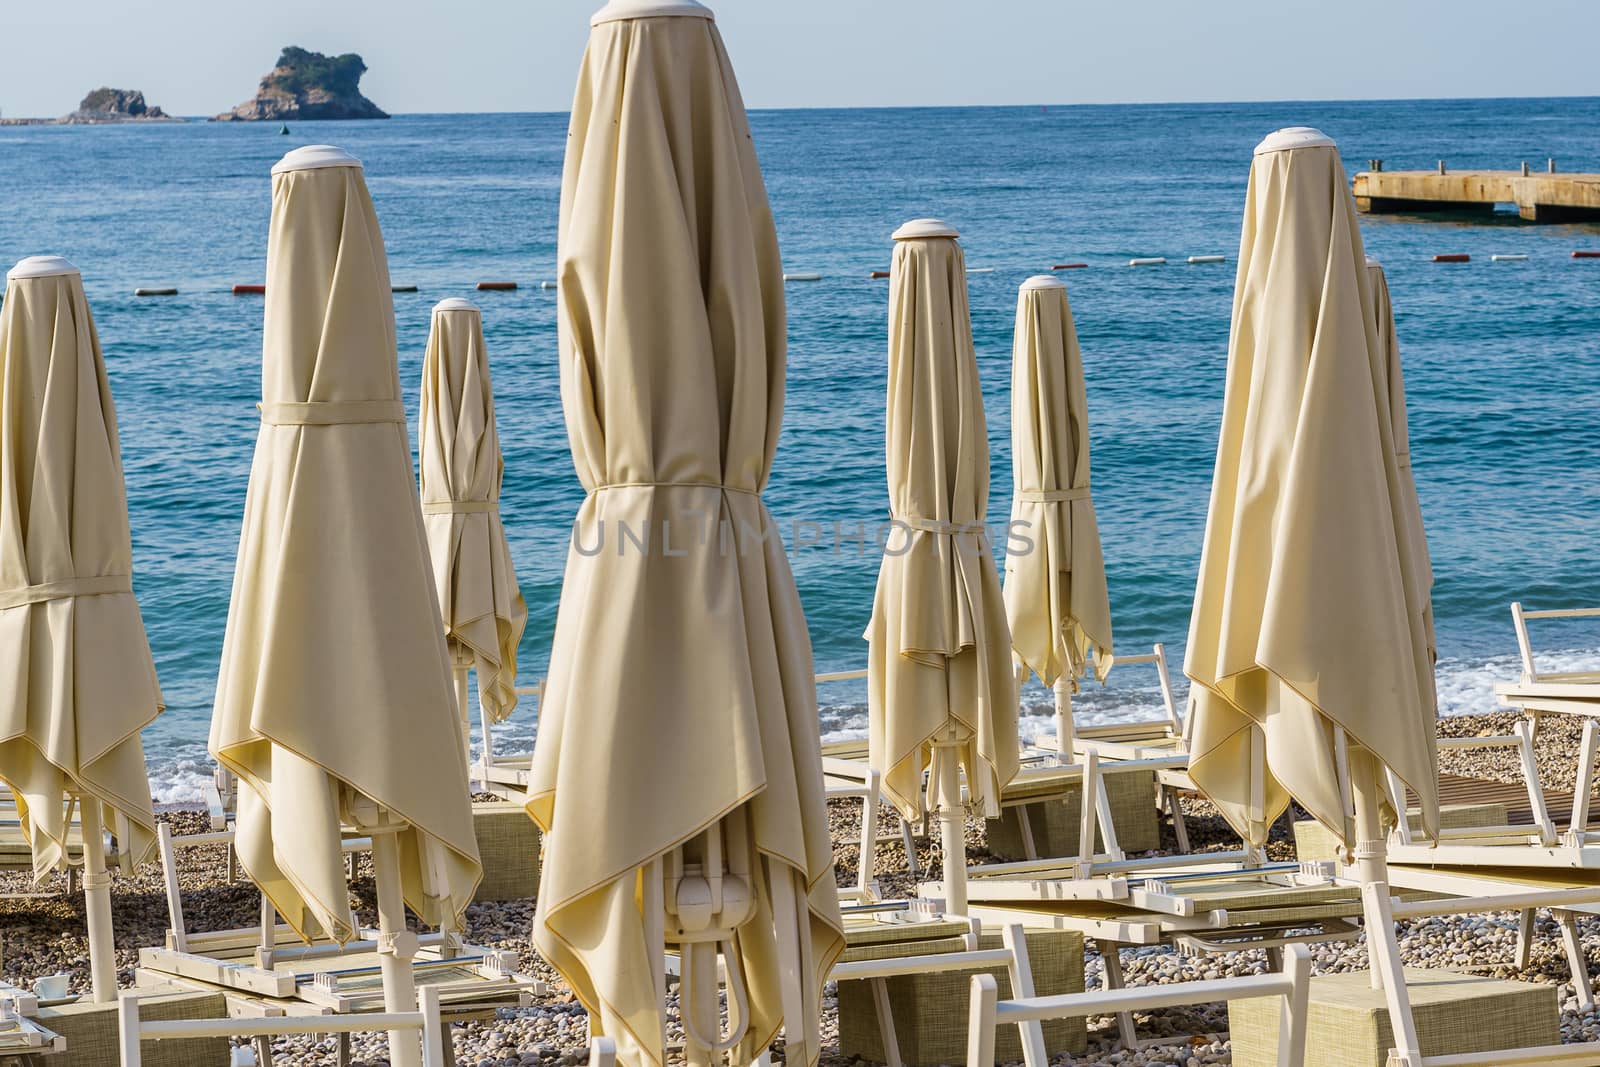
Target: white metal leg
{"x":1020,"y":971}
{"x":1577,"y":960}
{"x":97,"y":903}
{"x":1585,"y":784}
{"x":1111,"y":960}
{"x":1524,"y":938}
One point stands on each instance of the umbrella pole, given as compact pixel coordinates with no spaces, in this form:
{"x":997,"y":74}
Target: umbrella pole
{"x":1383,"y":950}
{"x":97,"y":902}
{"x":1065,"y":739}
{"x":396,"y":945}
{"x":952,"y":824}
{"x":459,"y":667}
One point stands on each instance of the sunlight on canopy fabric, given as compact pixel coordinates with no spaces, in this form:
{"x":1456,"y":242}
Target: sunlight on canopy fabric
{"x":77,"y":683}
{"x":939,"y":657}
{"x":1305,"y":616}
{"x":334,"y":670}
{"x":1055,"y":586}
{"x":461,"y":468}
{"x":680,"y":698}
{"x":1389,"y":359}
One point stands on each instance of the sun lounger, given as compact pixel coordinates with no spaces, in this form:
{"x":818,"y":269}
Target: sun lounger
{"x":132,"y":1032}
{"x":892,"y":941}
{"x":263,"y":976}
{"x":1292,"y":984}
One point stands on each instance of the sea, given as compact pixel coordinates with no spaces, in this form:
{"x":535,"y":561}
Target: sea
{"x":1502,"y":360}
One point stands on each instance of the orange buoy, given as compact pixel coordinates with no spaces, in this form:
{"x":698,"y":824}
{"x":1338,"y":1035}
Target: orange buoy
{"x":1584,"y":253}
{"x":243,"y":290}
{"x":878,"y":274}
{"x":1069,"y":266}
{"x":496,"y":285}
{"x":1453,"y":257}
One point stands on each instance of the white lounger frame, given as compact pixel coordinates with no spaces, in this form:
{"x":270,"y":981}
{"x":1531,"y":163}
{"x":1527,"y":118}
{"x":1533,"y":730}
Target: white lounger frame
{"x":1014,"y":957}
{"x":1293,"y":984}
{"x":132,"y":1032}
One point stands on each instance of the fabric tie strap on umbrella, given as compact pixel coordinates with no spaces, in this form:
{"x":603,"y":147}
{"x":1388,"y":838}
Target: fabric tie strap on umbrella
{"x":677,"y":772}
{"x":1307,"y":623}
{"x":332,"y":413}
{"x":66,"y":588}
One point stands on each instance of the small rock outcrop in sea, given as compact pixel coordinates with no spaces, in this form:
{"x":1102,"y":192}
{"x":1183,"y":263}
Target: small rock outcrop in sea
{"x":116,"y":105}
{"x":309,"y":85}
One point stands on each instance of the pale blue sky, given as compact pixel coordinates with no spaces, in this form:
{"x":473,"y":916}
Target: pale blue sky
{"x":203,"y":56}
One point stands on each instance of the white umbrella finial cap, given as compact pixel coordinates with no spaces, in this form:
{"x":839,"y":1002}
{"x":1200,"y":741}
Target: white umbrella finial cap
{"x":622,"y":10}
{"x":1291,"y":137}
{"x":41,"y":267}
{"x":1042,"y":281}
{"x":454,"y":303}
{"x":917,"y":229}
{"x":315,"y":157}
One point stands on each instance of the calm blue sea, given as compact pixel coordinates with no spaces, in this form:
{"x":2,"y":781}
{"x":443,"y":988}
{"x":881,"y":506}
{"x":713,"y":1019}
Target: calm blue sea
{"x":1502,"y":360}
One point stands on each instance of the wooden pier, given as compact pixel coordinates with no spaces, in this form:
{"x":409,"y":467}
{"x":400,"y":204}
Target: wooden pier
{"x":1539,"y":196}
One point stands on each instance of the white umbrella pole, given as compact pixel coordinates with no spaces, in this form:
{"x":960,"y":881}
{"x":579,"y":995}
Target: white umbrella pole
{"x":459,"y":669}
{"x":396,"y":946}
{"x":952,"y":824}
{"x":1064,"y":735}
{"x":97,"y":902}
{"x":1383,"y":950}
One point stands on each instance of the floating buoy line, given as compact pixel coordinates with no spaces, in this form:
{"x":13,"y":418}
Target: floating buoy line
{"x":259,"y":288}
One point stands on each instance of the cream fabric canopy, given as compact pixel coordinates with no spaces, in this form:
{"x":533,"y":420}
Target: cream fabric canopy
{"x":334,"y":671}
{"x":680,"y":687}
{"x":939,"y":656}
{"x":1389,"y":359}
{"x":76,"y":680}
{"x":1304,"y":614}
{"x":461,"y":468}
{"x":1055,"y":587}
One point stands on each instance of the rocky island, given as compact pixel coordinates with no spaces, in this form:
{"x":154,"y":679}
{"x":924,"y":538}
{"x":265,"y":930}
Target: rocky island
{"x":308,"y":85}
{"x":104,"y":105}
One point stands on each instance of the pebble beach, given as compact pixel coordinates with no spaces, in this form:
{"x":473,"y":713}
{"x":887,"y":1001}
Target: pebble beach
{"x":42,"y":932}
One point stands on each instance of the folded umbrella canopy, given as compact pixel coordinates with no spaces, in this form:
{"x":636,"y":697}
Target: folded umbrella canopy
{"x":1305,"y":621}
{"x":77,"y":683}
{"x":677,"y":772}
{"x":461,"y":468}
{"x":941,"y":691}
{"x":1389,"y":359}
{"x":334,"y":700}
{"x":1055,"y":583}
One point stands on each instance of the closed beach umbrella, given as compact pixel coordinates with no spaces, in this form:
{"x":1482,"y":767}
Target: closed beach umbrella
{"x":941,"y":691}
{"x":334,"y":701}
{"x":1389,"y":359}
{"x":677,"y":772}
{"x":76,"y":680}
{"x":1055,"y":588}
{"x":459,"y":449}
{"x":1306,"y":620}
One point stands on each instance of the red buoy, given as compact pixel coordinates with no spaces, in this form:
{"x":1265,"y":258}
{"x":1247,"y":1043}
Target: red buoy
{"x":878,"y":274}
{"x":497,"y":285}
{"x":1584,"y":253}
{"x":1453,"y":257}
{"x":243,"y":290}
{"x":1069,"y":266}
